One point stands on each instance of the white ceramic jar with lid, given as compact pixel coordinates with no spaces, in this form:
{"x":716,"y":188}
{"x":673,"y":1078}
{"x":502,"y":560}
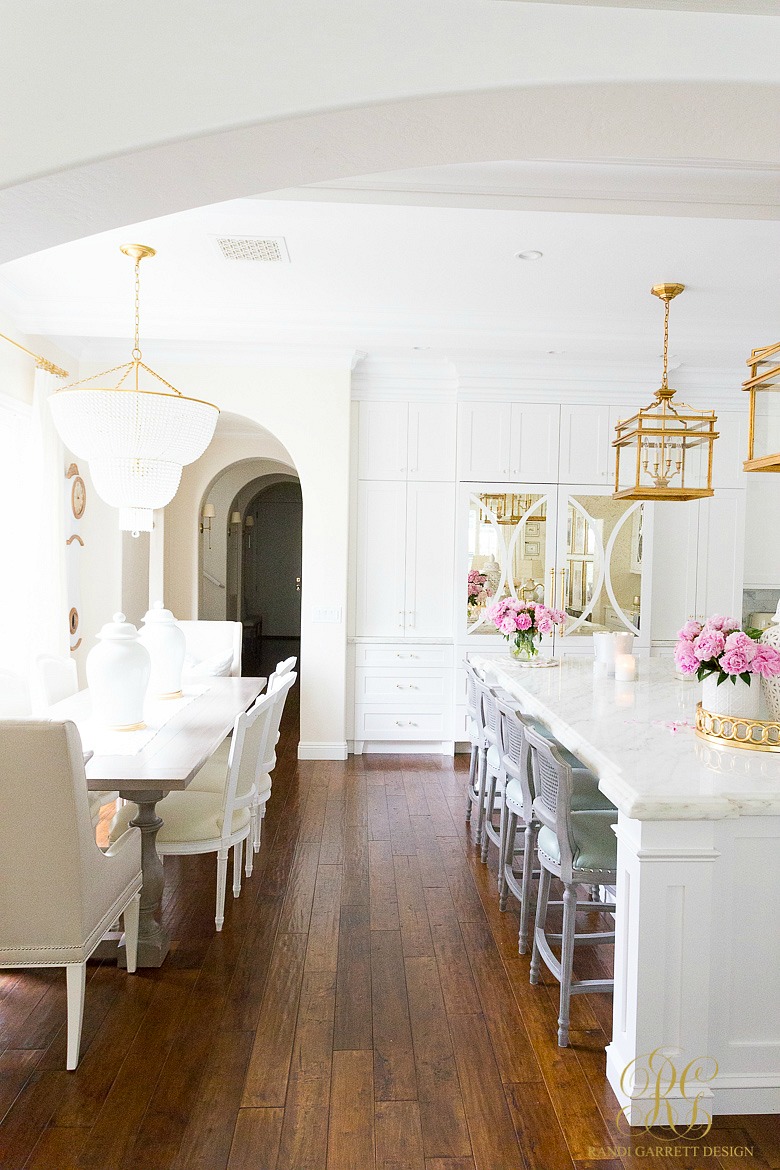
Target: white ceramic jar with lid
{"x":164,"y":639}
{"x":118,"y":670}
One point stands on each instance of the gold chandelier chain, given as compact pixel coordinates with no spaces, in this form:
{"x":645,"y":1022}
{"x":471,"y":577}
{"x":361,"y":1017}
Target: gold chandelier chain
{"x":665,"y":381}
{"x":137,"y":346}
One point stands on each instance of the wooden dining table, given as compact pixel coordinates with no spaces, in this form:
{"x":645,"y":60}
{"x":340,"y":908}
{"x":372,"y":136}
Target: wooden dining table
{"x":143,"y":766}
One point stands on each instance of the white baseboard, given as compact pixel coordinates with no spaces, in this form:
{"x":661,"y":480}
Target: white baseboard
{"x":367,"y":747}
{"x":323,"y":751}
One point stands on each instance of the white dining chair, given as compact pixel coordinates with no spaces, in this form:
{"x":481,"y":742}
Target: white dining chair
{"x":57,"y":678}
{"x":207,"y":821}
{"x":14,"y":696}
{"x":211,"y":777}
{"x":53,"y":913}
{"x":212,"y":649}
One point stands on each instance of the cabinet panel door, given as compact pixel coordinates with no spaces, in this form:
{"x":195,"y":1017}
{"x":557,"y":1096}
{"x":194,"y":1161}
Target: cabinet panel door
{"x":430,"y":553}
{"x":483,"y":440}
{"x":534,"y":442}
{"x":382,"y":440}
{"x":431,"y":451}
{"x":586,"y":454}
{"x":675,"y":556}
{"x":381,"y":569}
{"x":721,"y":556}
{"x":730,"y":450}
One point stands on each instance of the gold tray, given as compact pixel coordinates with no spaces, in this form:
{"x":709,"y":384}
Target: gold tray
{"x":758,"y":735}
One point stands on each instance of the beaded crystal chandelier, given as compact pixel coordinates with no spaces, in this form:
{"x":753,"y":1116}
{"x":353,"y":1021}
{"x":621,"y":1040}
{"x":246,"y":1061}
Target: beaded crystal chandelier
{"x":666,"y":447}
{"x":135,"y":440}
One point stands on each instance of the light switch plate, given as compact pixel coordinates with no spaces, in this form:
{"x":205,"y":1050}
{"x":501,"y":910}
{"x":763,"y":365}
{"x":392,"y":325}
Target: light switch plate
{"x":326,"y":614}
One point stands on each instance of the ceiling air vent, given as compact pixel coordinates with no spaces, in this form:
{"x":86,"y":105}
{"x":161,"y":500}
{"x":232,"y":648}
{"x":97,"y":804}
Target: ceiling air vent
{"x":264,"y":250}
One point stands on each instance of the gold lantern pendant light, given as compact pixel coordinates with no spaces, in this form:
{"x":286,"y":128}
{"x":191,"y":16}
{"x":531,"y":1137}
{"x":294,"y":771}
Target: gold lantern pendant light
{"x":656,"y":443}
{"x":763,"y":423}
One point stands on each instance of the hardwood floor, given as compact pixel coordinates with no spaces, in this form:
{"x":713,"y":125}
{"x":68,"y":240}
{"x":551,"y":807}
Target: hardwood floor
{"x":365,"y":1006}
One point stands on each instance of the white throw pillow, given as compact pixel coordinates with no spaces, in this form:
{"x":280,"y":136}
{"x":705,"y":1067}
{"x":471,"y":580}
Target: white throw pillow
{"x":218,"y":666}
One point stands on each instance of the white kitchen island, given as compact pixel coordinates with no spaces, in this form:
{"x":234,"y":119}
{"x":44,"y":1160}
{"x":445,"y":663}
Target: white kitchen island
{"x":697,"y":950}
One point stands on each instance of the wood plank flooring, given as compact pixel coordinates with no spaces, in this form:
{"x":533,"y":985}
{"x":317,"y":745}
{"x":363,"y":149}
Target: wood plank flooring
{"x":364,"y":1007}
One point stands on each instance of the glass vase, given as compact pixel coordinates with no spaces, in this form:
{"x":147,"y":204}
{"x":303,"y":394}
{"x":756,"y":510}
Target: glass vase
{"x":522,"y":652}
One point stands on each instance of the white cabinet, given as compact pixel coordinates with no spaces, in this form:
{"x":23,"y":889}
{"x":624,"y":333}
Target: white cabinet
{"x":403,"y":694}
{"x":586,"y":445}
{"x":400,"y":440}
{"x":698,"y":557}
{"x":381,"y":559}
{"x":405,"y":559}
{"x":508,"y":441}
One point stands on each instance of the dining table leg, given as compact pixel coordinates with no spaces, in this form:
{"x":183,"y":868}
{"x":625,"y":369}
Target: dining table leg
{"x":153,"y":940}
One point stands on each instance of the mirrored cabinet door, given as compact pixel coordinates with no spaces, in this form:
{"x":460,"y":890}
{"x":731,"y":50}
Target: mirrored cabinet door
{"x":511,"y":546}
{"x":600,"y":557}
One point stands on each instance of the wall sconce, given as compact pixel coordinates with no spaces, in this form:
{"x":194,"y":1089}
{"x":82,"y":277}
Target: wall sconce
{"x":208,"y":514}
{"x":249,"y":524}
{"x":235,"y":517}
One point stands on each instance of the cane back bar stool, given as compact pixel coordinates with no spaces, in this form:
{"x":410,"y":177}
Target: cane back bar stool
{"x":475,"y":732}
{"x":517,"y":808}
{"x":579,"y":848}
{"x":491,"y":781}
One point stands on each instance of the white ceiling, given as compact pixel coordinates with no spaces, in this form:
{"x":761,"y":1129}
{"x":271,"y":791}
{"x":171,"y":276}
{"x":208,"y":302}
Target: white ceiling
{"x":389,"y":274}
{"x":741,"y":7}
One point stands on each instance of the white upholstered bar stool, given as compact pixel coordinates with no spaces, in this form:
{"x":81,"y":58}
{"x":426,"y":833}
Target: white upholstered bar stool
{"x":216,"y":822}
{"x":53,"y":913}
{"x":475,"y":732}
{"x":491,"y":787}
{"x":579,"y":848}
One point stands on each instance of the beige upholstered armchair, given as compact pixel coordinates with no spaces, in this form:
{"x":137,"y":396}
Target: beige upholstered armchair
{"x":55,"y":908}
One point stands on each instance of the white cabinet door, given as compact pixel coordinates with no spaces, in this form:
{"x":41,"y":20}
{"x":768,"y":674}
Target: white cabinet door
{"x":533,"y":451}
{"x":382,"y":440}
{"x":483,"y":440}
{"x":675,"y":556}
{"x":431,"y":446}
{"x":381,"y":559}
{"x":721,"y":554}
{"x":430,"y":551}
{"x":586,"y":453}
{"x":730,"y":450}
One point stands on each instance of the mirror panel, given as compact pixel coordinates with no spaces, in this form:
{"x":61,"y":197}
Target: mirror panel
{"x":507,"y":552}
{"x":603,"y":564}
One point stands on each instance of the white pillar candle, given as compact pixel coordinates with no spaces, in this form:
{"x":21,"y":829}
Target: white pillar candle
{"x":625,"y":668}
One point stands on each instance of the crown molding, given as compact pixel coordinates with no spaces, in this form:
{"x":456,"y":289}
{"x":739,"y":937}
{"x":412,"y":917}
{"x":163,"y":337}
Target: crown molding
{"x":234,"y":354}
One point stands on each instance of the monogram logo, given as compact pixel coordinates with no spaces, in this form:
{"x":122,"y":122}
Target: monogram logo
{"x":673,"y":1097}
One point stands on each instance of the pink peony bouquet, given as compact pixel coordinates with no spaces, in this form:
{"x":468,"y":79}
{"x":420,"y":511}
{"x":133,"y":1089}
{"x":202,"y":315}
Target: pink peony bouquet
{"x":477,"y":587}
{"x":522,"y":622}
{"x":720,"y":647}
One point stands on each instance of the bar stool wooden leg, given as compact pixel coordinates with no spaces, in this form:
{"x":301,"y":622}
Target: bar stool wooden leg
{"x":525,"y":902}
{"x":541,"y":917}
{"x":567,"y":960}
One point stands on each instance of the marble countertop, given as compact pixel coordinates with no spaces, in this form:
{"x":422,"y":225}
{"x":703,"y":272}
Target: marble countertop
{"x":639,"y":739}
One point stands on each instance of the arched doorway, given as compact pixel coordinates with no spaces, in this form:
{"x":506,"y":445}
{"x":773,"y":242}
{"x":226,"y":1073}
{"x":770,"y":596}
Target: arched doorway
{"x":270,"y":583}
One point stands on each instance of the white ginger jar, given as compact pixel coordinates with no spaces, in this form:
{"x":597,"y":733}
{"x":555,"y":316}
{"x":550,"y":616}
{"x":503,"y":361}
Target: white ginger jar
{"x":771,"y":686}
{"x":118,"y":670}
{"x":165,"y":641}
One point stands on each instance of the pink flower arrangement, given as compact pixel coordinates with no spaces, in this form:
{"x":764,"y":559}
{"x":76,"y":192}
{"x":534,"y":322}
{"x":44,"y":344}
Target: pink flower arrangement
{"x":721,"y":647}
{"x":478,"y":590}
{"x":522,"y":622}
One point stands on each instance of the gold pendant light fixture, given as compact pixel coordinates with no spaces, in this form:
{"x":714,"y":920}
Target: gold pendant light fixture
{"x":135,"y":440}
{"x":764,"y":422}
{"x":665,"y":448}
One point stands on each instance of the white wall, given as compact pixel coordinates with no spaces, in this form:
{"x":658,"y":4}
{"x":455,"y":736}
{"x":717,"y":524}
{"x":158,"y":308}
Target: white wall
{"x":307,"y":411}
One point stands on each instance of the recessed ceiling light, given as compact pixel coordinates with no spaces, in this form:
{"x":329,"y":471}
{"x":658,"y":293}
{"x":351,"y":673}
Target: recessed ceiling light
{"x":532,"y":255}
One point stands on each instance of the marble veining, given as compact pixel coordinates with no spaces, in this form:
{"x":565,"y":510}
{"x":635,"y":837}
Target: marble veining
{"x":640,"y":741}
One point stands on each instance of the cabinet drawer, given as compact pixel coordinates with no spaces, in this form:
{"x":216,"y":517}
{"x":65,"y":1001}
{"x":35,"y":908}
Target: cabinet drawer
{"x":373,"y":685}
{"x":423,"y":725}
{"x":403,"y":657}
